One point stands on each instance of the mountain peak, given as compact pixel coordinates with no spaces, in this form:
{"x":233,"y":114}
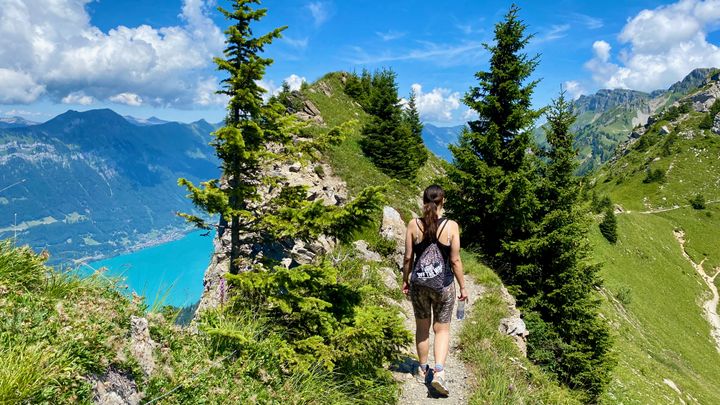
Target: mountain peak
{"x":693,"y":80}
{"x":97,"y":117}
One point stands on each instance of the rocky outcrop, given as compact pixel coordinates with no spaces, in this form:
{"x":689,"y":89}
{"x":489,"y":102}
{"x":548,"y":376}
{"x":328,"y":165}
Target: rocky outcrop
{"x":141,"y":344}
{"x":365,"y":253}
{"x":310,"y":112}
{"x":115,"y":388}
{"x":513,"y":325}
{"x":703,"y":100}
{"x":716,"y":125}
{"x":322,"y":185}
{"x":393,"y":228}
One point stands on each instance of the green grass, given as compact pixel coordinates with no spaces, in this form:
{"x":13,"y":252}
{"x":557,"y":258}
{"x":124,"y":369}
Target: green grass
{"x":652,"y":297}
{"x":347,"y":159}
{"x":502,"y":374}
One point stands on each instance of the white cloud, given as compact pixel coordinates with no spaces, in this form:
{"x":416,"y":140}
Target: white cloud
{"x":390,"y":35}
{"x":589,"y":22}
{"x":553,"y":33}
{"x":465,"y":52}
{"x":77,"y":97}
{"x":663,"y":45}
{"x":574,"y":89}
{"x":54,"y":44}
{"x":294,"y":81}
{"x":319,"y":12}
{"x":438,"y":105}
{"x":206,"y":92}
{"x":127,"y":98}
{"x":18,"y":87}
{"x":299,"y":43}
{"x":470,"y":115}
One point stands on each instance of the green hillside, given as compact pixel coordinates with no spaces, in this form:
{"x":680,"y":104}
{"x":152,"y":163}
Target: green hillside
{"x":654,"y":296}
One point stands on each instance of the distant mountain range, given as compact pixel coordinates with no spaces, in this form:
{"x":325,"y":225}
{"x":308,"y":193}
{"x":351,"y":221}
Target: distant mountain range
{"x":92,"y":183}
{"x":15,"y":122}
{"x":437,"y":139}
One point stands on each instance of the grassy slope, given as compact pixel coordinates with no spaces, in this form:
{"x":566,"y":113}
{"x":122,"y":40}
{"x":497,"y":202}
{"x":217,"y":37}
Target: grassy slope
{"x":503,"y":375}
{"x":653,"y":294}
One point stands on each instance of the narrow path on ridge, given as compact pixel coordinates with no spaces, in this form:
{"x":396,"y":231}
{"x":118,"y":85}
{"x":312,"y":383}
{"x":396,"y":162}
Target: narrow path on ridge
{"x":709,"y":306}
{"x":458,"y":375}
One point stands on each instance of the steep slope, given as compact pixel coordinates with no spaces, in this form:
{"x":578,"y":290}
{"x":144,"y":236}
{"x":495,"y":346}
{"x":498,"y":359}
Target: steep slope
{"x":91,"y":184}
{"x":656,"y":296}
{"x":606,"y":118}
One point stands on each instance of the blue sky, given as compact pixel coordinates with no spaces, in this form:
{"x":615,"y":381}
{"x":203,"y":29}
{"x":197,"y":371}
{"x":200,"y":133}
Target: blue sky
{"x":149,"y":58}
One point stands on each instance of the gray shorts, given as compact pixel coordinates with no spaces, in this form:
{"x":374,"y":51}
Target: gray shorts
{"x":426,"y":301}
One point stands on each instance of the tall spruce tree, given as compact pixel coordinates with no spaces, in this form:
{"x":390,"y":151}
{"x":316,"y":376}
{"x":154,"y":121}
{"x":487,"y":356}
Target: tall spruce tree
{"x":255,"y":135}
{"x":557,"y":283}
{"x":388,"y":141}
{"x":417,"y":151}
{"x":492,"y":180}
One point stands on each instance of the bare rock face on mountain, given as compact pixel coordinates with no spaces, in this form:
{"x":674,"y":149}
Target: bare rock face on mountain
{"x":716,"y":125}
{"x":322,"y":185}
{"x":310,"y":112}
{"x":115,"y":388}
{"x":513,"y":325}
{"x":142,"y":345}
{"x":703,"y":100}
{"x":393,"y":228}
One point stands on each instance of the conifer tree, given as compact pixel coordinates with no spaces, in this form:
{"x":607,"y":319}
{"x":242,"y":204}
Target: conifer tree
{"x":416,"y":147}
{"x":557,"y":282}
{"x":242,"y":146}
{"x":492,"y":179}
{"x":608,"y":226}
{"x":387,"y":141}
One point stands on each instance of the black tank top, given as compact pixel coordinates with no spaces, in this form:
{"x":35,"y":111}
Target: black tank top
{"x":419,"y":248}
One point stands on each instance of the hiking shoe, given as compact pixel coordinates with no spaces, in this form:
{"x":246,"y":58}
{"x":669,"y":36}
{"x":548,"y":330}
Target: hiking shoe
{"x":421,"y":376}
{"x":438,"y":382}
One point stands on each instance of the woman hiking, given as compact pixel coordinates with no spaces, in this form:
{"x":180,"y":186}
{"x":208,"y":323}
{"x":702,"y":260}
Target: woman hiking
{"x":432,"y":263}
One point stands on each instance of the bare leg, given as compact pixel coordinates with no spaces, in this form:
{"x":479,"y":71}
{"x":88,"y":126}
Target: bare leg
{"x":422,"y":339}
{"x":442,"y":341}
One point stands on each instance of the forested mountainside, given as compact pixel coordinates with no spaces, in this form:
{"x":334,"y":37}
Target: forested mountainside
{"x":89,"y":184}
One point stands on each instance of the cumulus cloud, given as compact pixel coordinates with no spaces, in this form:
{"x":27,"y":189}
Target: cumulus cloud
{"x":574,"y":89}
{"x":18,"y":87}
{"x":662,"y":46}
{"x":127,"y":99}
{"x":77,"y":97}
{"x":51,"y":47}
{"x":294,"y":81}
{"x":437,"y":105}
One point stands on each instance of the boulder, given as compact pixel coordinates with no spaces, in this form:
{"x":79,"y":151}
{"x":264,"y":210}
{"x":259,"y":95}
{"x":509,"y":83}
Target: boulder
{"x":515,"y":327}
{"x":393,"y":228}
{"x":389,"y":277}
{"x":716,"y":125}
{"x":664,"y":130}
{"x":115,"y":388}
{"x":141,"y":344}
{"x":365,"y":253}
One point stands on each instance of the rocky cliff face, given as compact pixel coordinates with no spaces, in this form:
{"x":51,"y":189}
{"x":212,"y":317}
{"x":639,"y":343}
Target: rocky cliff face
{"x":322,"y":185}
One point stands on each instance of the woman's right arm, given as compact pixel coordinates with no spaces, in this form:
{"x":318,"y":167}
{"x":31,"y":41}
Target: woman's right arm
{"x":456,"y":262}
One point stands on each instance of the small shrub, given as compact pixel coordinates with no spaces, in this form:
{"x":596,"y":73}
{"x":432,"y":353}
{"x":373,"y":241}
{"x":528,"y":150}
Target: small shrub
{"x":624,"y":295}
{"x":318,"y":169}
{"x":386,"y":247}
{"x":654,"y":176}
{"x":698,"y":202}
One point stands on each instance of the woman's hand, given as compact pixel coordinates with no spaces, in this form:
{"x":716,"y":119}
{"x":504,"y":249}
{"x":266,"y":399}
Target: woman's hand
{"x":405,"y":288}
{"x":463,"y":294}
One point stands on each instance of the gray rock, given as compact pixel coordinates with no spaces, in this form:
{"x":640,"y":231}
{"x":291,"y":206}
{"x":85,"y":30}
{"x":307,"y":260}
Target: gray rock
{"x":115,"y":388}
{"x":513,"y":326}
{"x":664,"y":130}
{"x":393,"y":228}
{"x":389,"y":277}
{"x":716,"y":125}
{"x":141,"y":344}
{"x":362,"y":247}
{"x":310,"y":109}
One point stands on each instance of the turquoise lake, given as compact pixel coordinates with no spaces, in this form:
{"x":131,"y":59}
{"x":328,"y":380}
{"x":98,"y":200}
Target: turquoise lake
{"x":172,"y":272}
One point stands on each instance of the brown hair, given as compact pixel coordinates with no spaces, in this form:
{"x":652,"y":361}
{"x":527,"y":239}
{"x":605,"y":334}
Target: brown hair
{"x":433,"y":197}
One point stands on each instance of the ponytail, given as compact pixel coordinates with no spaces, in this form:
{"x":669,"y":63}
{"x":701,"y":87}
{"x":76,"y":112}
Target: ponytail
{"x":432,"y":198}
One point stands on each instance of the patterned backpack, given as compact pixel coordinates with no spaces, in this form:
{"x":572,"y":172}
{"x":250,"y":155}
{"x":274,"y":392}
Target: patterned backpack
{"x":430,"y":267}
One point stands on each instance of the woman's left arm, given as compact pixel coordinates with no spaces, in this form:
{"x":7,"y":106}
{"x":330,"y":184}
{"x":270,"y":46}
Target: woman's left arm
{"x":408,"y":260}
